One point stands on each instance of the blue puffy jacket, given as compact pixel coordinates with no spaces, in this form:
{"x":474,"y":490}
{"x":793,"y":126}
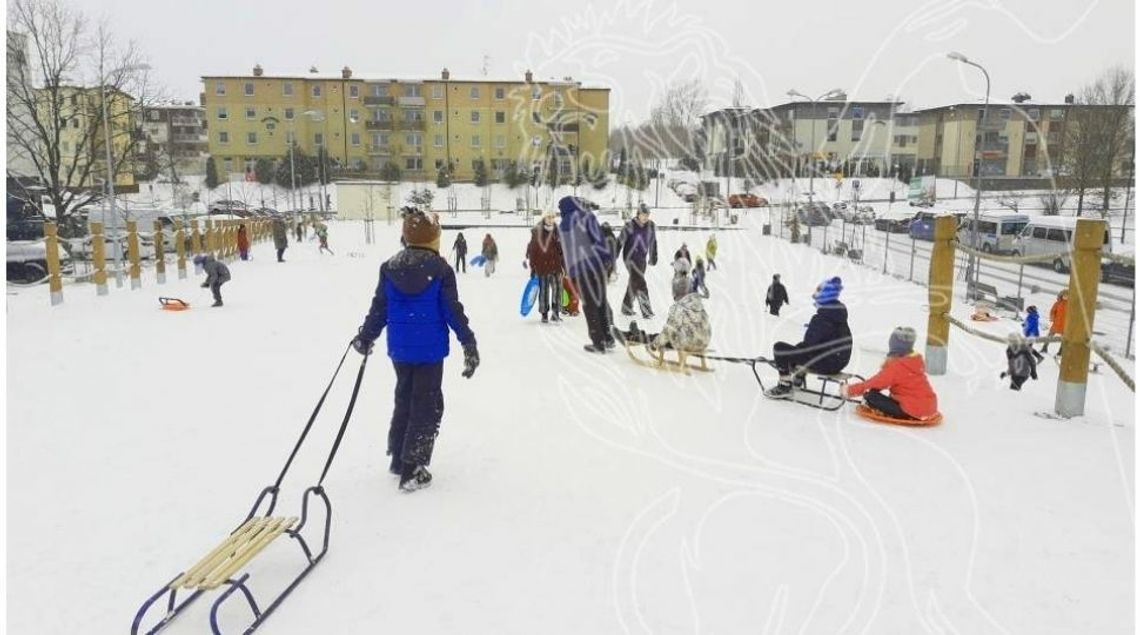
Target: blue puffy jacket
{"x":417,"y":300}
{"x":584,"y":245}
{"x":1032,"y":326}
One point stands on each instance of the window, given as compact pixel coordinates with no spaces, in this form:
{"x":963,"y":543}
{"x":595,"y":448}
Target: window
{"x":222,"y":114}
{"x":153,"y":115}
{"x":437,"y":116}
{"x":437,"y":91}
{"x":1005,"y":113}
{"x":832,"y":132}
{"x":474,"y":116}
{"x":536,"y":92}
{"x":288,"y":113}
{"x":1056,"y":113}
{"x":379,"y":90}
{"x":1055,"y":235}
{"x":251,"y":138}
{"x":220,"y":89}
{"x":438,"y":141}
{"x":414,"y":140}
{"x":474,"y":92}
{"x":475,"y":141}
{"x":1034,"y":114}
{"x":250,"y":112}
{"x":353,"y":115}
{"x":856,"y":112}
{"x":354,"y":91}
{"x":379,"y":139}
{"x":413,"y":115}
{"x":249,"y":89}
{"x":316,"y":90}
{"x":500,"y":116}
{"x":415,"y":164}
{"x":857,"y":129}
{"x":287,"y":89}
{"x":500,"y":141}
{"x":269,"y":125}
{"x":356,"y":138}
{"x":832,"y":112}
{"x":558,"y":100}
{"x":500,"y":92}
{"x":1012,"y":229}
{"x":223,"y":137}
{"x":412,"y":90}
{"x":319,"y":138}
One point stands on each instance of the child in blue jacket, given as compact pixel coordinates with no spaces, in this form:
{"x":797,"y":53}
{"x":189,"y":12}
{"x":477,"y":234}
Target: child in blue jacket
{"x":417,"y":301}
{"x":1032,"y":326}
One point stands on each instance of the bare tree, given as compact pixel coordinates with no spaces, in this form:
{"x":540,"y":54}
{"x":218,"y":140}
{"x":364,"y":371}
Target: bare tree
{"x":1053,"y":201}
{"x":1098,"y":133}
{"x":72,"y":72}
{"x":673,"y":121}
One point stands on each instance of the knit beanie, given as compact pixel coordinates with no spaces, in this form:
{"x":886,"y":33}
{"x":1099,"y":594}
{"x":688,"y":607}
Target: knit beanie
{"x":902,"y":342}
{"x":420,"y":230}
{"x":828,"y":291}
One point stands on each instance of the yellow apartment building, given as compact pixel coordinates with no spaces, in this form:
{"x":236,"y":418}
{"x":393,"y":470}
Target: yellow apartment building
{"x":82,"y":140}
{"x":417,"y":125}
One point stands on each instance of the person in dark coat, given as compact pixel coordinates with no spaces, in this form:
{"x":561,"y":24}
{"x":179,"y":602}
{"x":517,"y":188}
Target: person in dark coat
{"x":777,"y":296}
{"x":417,"y":300}
{"x":280,"y":238}
{"x":544,"y":254}
{"x":638,"y":242}
{"x":1022,"y":361}
{"x":460,"y":249}
{"x":586,"y":256}
{"x":490,"y":254}
{"x":826,"y":348}
{"x":614,"y":246}
{"x":217,"y":274}
{"x":683,"y":252}
{"x":243,"y":242}
{"x":299,"y":235}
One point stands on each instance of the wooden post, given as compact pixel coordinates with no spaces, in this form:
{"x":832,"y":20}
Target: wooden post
{"x":941,"y":289}
{"x":209,"y":246}
{"x":54,"y":281}
{"x":1084,"y":279}
{"x":195,"y":244}
{"x":180,"y":248}
{"x":133,"y":253}
{"x":159,"y":254}
{"x":99,"y":256}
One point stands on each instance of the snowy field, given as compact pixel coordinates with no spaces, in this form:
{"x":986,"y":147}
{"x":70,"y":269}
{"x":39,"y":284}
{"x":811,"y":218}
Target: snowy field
{"x":573,"y":493}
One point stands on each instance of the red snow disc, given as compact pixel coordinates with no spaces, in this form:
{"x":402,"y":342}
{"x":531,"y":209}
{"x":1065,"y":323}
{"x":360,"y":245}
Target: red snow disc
{"x":874,"y":415}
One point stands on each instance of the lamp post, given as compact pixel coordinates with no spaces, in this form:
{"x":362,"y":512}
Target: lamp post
{"x":972,"y":265}
{"x":814,"y":102}
{"x":111,"y":163}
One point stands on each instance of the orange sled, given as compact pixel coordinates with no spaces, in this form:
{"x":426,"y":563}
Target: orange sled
{"x":874,"y":415}
{"x":173,"y":304}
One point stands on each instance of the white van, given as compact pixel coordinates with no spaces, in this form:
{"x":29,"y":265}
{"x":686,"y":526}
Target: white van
{"x":1052,"y":235}
{"x":998,"y":231}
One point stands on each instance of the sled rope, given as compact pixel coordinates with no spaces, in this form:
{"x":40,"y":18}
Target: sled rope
{"x":313,"y":417}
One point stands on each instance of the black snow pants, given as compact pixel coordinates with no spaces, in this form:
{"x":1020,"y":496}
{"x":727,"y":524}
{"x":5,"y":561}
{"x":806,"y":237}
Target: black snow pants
{"x":787,"y":357}
{"x":461,"y":261}
{"x":550,"y":294}
{"x":595,"y":307}
{"x":636,"y":288}
{"x":884,"y":404}
{"x":417,"y":412}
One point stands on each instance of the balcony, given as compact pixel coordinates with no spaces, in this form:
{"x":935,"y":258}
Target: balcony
{"x":374,"y":149}
{"x":411,"y":101}
{"x":418,"y":124}
{"x":378,"y":125}
{"x":378,"y":101}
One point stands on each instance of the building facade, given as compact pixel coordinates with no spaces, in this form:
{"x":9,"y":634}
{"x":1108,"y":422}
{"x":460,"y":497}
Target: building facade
{"x":175,"y":140}
{"x":18,"y":162}
{"x":416,"y":125}
{"x":83,"y":137}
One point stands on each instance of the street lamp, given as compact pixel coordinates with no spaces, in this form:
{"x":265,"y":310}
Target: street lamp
{"x":110,"y":162}
{"x":972,"y":265}
{"x":795,"y":93}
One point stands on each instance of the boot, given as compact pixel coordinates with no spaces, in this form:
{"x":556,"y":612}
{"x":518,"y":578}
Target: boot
{"x":545,"y":319}
{"x":782,"y":390}
{"x":414,"y":477}
{"x":593,"y":348}
{"x":216,"y":303}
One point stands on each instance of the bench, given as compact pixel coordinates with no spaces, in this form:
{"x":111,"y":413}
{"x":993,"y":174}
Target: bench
{"x":983,"y":291}
{"x":234,"y":552}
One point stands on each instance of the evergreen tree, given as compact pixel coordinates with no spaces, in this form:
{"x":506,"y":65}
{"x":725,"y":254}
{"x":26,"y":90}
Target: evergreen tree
{"x":211,"y":173}
{"x":511,"y":176}
{"x":443,"y":178}
{"x":390,"y":172}
{"x":263,"y":170}
{"x":481,"y":179}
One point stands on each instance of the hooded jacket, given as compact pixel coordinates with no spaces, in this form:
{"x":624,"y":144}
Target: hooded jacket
{"x":777,"y":295}
{"x":1057,"y":316}
{"x":584,"y":246}
{"x":905,"y":378}
{"x":216,"y":271}
{"x":687,"y":325}
{"x":417,"y":300}
{"x":1022,"y":362}
{"x":638,"y":243}
{"x":280,"y":234}
{"x":828,"y":338}
{"x":1032,"y":327}
{"x":544,"y":252}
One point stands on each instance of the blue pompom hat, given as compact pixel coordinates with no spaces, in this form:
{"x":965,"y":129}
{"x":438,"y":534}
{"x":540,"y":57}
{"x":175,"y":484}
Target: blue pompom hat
{"x":828,"y":291}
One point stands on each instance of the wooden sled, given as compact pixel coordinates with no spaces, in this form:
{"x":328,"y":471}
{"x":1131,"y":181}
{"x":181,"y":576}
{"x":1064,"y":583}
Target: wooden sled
{"x":659,"y":361}
{"x":869,"y":413}
{"x":173,"y":304}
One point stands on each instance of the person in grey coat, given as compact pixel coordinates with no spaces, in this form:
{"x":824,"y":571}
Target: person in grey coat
{"x":217,"y":274}
{"x":280,"y":238}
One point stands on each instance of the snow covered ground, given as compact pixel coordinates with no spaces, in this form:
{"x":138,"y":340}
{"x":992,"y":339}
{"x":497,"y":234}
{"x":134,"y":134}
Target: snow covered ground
{"x":573,"y":493}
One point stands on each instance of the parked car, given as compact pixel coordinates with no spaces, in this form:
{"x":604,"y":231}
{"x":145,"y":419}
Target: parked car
{"x":998,"y":231}
{"x":746,"y":199}
{"x":814,"y":215}
{"x":27,"y":260}
{"x":1118,"y":273}
{"x":1051,"y":235}
{"x":225,"y":206}
{"x":893,"y":224}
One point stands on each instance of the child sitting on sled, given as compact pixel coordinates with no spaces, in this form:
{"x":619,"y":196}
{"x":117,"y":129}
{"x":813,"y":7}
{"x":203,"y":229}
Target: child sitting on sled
{"x":1022,"y":361}
{"x":686,"y":327}
{"x":903,"y":375}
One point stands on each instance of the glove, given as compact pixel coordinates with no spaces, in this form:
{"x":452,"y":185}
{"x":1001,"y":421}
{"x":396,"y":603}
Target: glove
{"x":1033,"y":375}
{"x":205,"y":285}
{"x":1003,"y":374}
{"x":470,"y":360}
{"x":362,"y":346}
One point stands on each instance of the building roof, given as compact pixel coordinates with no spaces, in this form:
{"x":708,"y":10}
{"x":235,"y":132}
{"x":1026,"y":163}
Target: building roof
{"x":1023,"y":106}
{"x":378,"y":77}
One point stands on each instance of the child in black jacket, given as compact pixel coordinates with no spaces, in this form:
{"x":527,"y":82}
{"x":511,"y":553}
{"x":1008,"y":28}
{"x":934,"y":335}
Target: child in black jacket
{"x":1022,"y":361}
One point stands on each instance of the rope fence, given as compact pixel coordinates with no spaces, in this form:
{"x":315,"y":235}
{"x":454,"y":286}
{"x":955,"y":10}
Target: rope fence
{"x":1111,"y":362}
{"x":1049,"y":257}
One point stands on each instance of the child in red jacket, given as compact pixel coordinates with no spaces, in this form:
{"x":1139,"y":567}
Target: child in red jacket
{"x":904,"y":375}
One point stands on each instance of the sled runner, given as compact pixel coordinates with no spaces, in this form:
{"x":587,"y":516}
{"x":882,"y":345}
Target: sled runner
{"x":173,"y":304}
{"x":222,"y":566}
{"x":867,"y":412}
{"x":825,"y":394}
{"x":658,"y":359}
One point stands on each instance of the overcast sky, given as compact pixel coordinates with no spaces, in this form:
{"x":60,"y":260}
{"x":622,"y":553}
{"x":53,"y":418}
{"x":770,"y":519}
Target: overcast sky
{"x":871,"y":49}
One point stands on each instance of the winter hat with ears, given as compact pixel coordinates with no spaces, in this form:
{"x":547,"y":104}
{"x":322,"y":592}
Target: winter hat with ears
{"x":420,"y":230}
{"x":901,"y":343}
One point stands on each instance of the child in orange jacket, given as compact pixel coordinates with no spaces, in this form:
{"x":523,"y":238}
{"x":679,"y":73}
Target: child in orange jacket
{"x":1057,"y":317}
{"x":904,"y":375}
